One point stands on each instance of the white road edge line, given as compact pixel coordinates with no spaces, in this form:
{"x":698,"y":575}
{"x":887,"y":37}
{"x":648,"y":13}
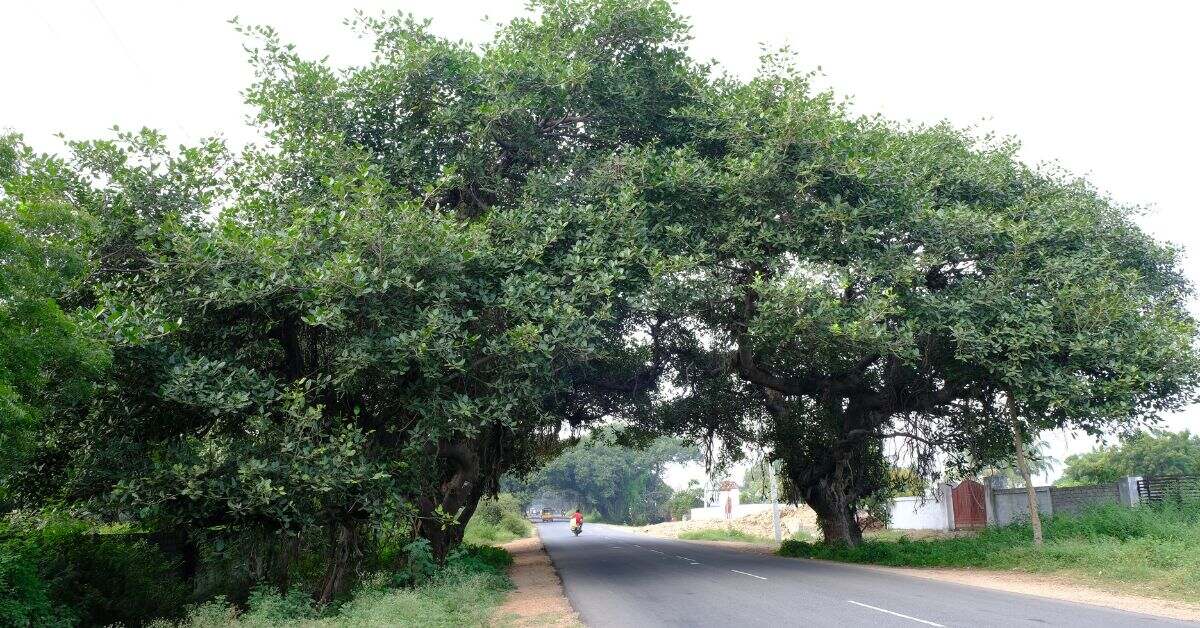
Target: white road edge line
{"x":747,"y":574}
{"x":884,"y":610}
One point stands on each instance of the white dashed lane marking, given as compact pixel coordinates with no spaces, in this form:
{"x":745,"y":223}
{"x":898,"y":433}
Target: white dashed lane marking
{"x":884,"y":610}
{"x":747,"y":574}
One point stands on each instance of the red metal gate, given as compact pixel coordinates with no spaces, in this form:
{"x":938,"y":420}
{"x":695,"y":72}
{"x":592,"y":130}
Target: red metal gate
{"x":969,"y":510}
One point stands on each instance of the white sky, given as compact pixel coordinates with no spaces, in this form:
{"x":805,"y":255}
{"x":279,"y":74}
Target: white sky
{"x":1108,"y":89}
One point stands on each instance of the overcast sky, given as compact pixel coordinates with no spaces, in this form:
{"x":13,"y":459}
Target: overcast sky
{"x":1106,"y":89}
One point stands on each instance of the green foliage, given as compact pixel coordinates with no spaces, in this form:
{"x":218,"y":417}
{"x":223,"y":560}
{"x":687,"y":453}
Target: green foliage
{"x":851,"y":280}
{"x":49,"y":358}
{"x":463,"y":593}
{"x":435,"y":261}
{"x":497,"y":520}
{"x":1146,"y":453}
{"x":480,"y":559}
{"x":683,"y":501}
{"x":905,"y":482}
{"x":1148,"y":549}
{"x":621,"y":483}
{"x":62,"y":570}
{"x":419,"y":563}
{"x":266,"y":606}
{"x":399,"y":295}
{"x":25,"y":598}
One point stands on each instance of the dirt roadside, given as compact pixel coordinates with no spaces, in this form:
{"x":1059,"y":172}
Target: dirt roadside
{"x":1051,"y":586}
{"x":539,"y":599}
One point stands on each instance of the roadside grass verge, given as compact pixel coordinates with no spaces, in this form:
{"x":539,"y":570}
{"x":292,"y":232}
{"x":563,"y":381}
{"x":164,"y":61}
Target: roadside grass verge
{"x":723,"y":534}
{"x":464,"y":593}
{"x":497,"y":521}
{"x":484,"y":533}
{"x":1149,"y":551}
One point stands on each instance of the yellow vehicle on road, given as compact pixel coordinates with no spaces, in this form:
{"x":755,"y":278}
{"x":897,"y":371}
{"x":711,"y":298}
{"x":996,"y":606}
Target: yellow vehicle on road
{"x":547,"y":514}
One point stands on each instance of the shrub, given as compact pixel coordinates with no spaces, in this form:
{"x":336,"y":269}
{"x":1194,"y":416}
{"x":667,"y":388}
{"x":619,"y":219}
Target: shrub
{"x":24,"y":595}
{"x":109,"y":580}
{"x":488,"y":558}
{"x":796,"y":548}
{"x":488,"y":511}
{"x":268,"y":606}
{"x":98,"y":579}
{"x":516,"y":525}
{"x":497,"y":520}
{"x":461,"y":594}
{"x":419,"y":564}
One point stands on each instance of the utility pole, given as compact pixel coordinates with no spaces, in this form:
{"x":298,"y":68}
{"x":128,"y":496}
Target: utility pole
{"x":774,"y":503}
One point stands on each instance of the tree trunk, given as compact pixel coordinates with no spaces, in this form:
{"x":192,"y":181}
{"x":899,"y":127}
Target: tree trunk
{"x":458,"y":494}
{"x":836,"y":517}
{"x":344,"y":553}
{"x":1035,"y":518}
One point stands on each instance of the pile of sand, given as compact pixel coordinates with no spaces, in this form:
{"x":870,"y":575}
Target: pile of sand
{"x":792,"y":519}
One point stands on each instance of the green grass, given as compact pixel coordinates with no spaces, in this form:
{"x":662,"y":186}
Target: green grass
{"x":1152,"y":551}
{"x":723,"y":534}
{"x":465,"y":593}
{"x":497,"y":521}
{"x":480,"y":532}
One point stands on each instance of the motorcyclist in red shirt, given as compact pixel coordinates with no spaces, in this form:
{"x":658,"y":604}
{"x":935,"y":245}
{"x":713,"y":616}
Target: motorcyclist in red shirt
{"x":577,"y":521}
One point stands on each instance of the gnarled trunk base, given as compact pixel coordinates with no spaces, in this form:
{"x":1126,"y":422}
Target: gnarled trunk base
{"x":836,"y":514}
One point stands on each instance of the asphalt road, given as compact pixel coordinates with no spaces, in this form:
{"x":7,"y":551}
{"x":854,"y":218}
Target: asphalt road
{"x":619,"y":578}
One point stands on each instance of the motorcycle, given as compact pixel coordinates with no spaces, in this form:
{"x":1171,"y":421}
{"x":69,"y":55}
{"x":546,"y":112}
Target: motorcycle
{"x":577,"y":528}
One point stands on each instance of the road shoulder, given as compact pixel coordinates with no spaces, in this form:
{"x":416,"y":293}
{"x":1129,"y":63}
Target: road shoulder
{"x":1049,"y":586}
{"x":539,"y":599}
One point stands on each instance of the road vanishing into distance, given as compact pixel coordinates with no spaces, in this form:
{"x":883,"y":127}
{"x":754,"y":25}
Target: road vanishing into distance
{"x":619,"y":578}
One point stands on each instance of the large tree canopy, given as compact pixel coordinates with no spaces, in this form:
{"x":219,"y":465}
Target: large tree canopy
{"x":401,"y":295}
{"x":853,"y":283}
{"x":435,"y":262}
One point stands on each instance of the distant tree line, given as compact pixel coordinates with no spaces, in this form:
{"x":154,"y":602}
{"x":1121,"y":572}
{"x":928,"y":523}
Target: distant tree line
{"x":1156,"y":452}
{"x":620,"y":482}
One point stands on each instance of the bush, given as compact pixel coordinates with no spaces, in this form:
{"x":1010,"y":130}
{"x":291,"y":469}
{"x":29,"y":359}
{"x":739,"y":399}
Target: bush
{"x":97,"y":579}
{"x":267,"y":606}
{"x":497,"y":520}
{"x":516,"y":525}
{"x":109,"y":580}
{"x":461,"y":594}
{"x":24,"y":595}
{"x":481,"y":558}
{"x":419,"y":564}
{"x":488,"y":511}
